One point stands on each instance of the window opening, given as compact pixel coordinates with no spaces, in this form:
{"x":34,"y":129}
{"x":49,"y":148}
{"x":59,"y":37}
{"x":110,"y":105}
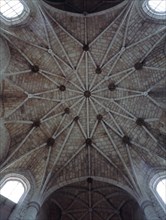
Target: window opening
{"x":155,"y":8}
{"x":13,"y":190}
{"x":13,"y":11}
{"x":161,"y":189}
{"x":158,"y":186}
{"x":11,"y":8}
{"x":15,"y":187}
{"x":158,"y":6}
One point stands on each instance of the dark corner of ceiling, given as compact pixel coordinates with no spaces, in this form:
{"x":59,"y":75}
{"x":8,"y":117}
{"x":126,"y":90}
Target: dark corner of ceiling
{"x":83,"y":6}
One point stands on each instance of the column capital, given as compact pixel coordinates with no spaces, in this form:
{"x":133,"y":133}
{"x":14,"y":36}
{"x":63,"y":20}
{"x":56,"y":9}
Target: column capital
{"x":149,"y":211}
{"x":34,"y":204}
{"x":146,"y":203}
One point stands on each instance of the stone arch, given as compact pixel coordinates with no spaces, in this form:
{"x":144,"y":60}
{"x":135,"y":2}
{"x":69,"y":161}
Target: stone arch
{"x":100,"y":179}
{"x":103,"y":191}
{"x":27,"y":176}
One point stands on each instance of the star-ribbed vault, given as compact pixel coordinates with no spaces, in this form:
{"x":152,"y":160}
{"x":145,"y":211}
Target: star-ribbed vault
{"x":77,"y":97}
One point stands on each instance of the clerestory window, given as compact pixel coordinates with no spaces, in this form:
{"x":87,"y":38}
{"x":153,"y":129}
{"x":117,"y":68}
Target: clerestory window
{"x":161,"y":189}
{"x":13,"y":190}
{"x":14,"y":187}
{"x":155,"y":8}
{"x":13,"y":11}
{"x":158,"y":187}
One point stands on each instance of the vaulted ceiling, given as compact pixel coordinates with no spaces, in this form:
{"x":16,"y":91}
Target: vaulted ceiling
{"x":83,"y":6}
{"x":91,"y":200}
{"x":82,"y":96}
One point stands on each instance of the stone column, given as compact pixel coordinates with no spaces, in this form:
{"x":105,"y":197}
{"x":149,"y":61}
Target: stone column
{"x":32,"y":211}
{"x":149,"y":210}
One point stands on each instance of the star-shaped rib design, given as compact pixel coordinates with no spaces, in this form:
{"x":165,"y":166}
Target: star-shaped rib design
{"x":75,"y":92}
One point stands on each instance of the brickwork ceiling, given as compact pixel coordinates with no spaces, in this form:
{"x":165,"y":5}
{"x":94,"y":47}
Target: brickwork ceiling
{"x":78,"y":97}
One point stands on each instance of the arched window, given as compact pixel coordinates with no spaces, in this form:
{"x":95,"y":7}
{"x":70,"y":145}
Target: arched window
{"x":158,"y":187}
{"x":13,"y":190}
{"x":13,"y":11}
{"x":155,"y":8}
{"x":14,"y":187}
{"x":161,"y":189}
